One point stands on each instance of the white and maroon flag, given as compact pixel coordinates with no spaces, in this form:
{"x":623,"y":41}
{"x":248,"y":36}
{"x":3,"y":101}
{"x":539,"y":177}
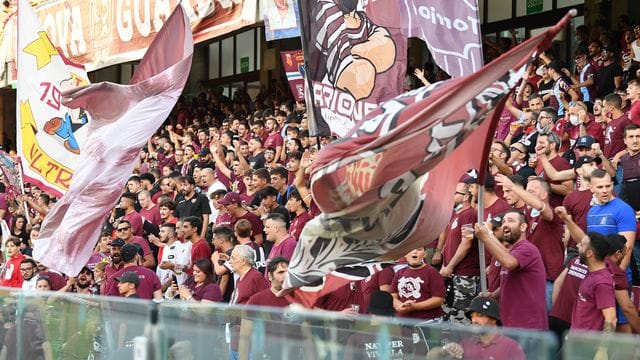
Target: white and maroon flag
{"x":50,"y":134}
{"x":387,"y":187}
{"x":124,"y":117}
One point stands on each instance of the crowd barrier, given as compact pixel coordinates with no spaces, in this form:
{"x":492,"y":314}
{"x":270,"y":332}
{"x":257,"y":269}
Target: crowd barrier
{"x":54,"y":326}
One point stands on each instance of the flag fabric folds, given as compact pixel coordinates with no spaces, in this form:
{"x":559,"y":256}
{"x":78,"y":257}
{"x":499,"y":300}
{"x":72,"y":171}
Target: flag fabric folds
{"x":451,"y":30}
{"x":50,"y":134}
{"x":124,"y":117}
{"x":293,"y":63}
{"x":387,"y":187}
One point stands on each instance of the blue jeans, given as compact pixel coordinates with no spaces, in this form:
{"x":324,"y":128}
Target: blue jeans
{"x":549,"y":292}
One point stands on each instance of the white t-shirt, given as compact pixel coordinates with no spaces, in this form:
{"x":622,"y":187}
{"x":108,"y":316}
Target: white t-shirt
{"x":179,"y":254}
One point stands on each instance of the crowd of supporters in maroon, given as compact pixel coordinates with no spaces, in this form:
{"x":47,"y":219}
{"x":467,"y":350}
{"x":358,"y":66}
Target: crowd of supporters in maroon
{"x":223,"y":188}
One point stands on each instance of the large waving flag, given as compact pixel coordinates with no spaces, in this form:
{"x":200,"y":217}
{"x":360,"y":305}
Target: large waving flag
{"x":387,"y":187}
{"x":124,"y":117}
{"x":50,"y":134}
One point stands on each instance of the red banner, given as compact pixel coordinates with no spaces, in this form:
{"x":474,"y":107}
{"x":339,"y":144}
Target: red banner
{"x":293,"y":62}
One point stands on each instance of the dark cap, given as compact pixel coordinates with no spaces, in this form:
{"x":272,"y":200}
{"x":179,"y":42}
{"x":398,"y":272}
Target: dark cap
{"x":230,"y":198}
{"x":381,"y":303}
{"x":485,"y":306}
{"x":117,"y":242}
{"x":205,"y":151}
{"x":586,"y":160}
{"x":496,"y":221}
{"x":129,"y":251}
{"x":129,"y":277}
{"x":585,"y":141}
{"x":129,"y":195}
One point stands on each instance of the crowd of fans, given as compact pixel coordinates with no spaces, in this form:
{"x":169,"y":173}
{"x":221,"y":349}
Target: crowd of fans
{"x":221,"y":194}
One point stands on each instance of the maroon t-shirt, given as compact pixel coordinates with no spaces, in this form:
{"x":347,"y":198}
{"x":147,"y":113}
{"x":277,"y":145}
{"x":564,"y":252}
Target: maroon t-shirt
{"x":273,"y":140}
{"x":578,"y":204}
{"x":619,"y":276}
{"x":256,"y":223}
{"x":284,"y":249}
{"x":149,"y":282}
{"x":419,"y":285}
{"x":297,"y":224}
{"x":136,"y":222}
{"x":500,"y":347}
{"x":522,"y":290}
{"x":595,"y":294}
{"x":266,"y":297}
{"x":559,"y":163}
{"x":251,"y":283}
{"x":143,"y":243}
{"x":469,"y":265}
{"x":547,"y":237}
{"x":224,"y":220}
{"x":634,"y":112}
{"x":614,"y":136}
{"x":210,"y":291}
{"x":568,"y":294}
{"x":493,"y":275}
{"x":200,"y":250}
{"x":342,"y":298}
{"x":152,"y":215}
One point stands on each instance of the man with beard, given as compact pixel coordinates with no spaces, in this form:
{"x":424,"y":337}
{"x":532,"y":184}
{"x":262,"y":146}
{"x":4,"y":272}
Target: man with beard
{"x":276,"y":270}
{"x":116,"y":260}
{"x":460,"y":257}
{"x":81,"y":284}
{"x":545,"y":229}
{"x":200,"y":249}
{"x":191,"y":203}
{"x":127,"y":204}
{"x":548,"y":146}
{"x":29,"y":270}
{"x":595,"y":309}
{"x":610,"y":74}
{"x":174,"y":257}
{"x":418,"y":289}
{"x":256,"y":158}
{"x":274,"y":139}
{"x":166,"y":208}
{"x":233,"y":204}
{"x":149,"y":287}
{"x":522,"y":285}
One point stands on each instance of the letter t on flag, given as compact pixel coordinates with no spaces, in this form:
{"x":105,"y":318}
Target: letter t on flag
{"x":124,"y":117}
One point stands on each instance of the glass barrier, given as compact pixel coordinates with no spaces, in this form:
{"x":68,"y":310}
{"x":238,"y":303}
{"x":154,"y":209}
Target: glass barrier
{"x":586,"y":345}
{"x":192,"y":331}
{"x":54,"y":326}
{"x":62,"y":326}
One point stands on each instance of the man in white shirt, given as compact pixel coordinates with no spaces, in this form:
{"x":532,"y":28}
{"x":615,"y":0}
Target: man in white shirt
{"x":174,"y":259}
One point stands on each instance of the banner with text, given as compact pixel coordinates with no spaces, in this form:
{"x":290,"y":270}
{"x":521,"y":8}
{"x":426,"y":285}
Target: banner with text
{"x":100,"y":33}
{"x":50,"y":134}
{"x":355,"y":59}
{"x":293,"y":63}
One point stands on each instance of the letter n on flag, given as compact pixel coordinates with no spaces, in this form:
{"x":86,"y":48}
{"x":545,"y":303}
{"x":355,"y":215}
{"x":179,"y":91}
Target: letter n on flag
{"x":387,"y":187}
{"x":50,"y":134}
{"x":124,"y":117}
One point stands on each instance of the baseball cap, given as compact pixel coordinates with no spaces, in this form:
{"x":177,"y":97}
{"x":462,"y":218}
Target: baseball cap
{"x":230,"y":198}
{"x":129,"y":277}
{"x":485,"y":306}
{"x":585,"y":141}
{"x":586,"y":160}
{"x":129,"y":251}
{"x":117,"y":242}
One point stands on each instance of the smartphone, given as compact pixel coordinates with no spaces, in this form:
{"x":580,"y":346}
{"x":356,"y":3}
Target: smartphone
{"x":174,"y":278}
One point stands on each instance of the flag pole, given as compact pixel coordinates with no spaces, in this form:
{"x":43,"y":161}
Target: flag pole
{"x":26,"y":208}
{"x":483,"y":266}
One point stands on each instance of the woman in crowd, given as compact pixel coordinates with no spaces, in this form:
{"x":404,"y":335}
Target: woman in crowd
{"x":202,"y":286}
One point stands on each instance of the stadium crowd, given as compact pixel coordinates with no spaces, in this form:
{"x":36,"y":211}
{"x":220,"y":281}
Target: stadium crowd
{"x":221,"y":194}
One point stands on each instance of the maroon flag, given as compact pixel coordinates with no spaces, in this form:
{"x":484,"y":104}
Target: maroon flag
{"x":354,"y":60}
{"x":293,"y":61}
{"x":124,"y":117}
{"x":386,"y":188}
{"x":451,"y":30}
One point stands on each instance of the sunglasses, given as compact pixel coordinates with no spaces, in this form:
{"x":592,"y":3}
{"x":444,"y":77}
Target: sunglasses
{"x":123,"y":229}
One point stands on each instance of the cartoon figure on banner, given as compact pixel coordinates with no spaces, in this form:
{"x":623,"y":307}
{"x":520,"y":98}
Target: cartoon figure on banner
{"x":73,"y":120}
{"x":361,"y":51}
